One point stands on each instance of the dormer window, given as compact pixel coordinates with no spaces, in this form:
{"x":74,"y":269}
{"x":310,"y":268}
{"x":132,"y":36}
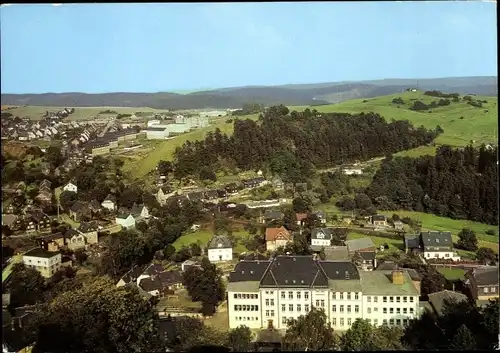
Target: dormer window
{"x":219,"y":245}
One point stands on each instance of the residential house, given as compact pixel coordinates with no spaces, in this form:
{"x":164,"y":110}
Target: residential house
{"x":131,"y":276}
{"x":9,"y":220}
{"x":36,"y":220}
{"x":272,"y":216}
{"x":162,"y":195}
{"x":269,"y":293}
{"x":45,"y":262}
{"x":125,"y":219}
{"x":321,"y":237}
{"x":232,"y":188}
{"x":379,"y":221}
{"x":211,"y":195}
{"x":89,"y":231}
{"x":352,"y":171}
{"x":156,"y":281}
{"x":140,"y":212}
{"x":95,"y":207}
{"x":398,"y":225}
{"x":198,"y":196}
{"x":482,"y":283}
{"x":254,"y":182}
{"x":221,"y":194}
{"x":70,"y":187}
{"x":109,"y":202}
{"x":300,"y":218}
{"x":74,"y":239}
{"x":438,"y":300}
{"x":52,"y":242}
{"x":80,"y":211}
{"x":220,"y":248}
{"x":277,"y":237}
{"x":321,"y":216}
{"x":189,"y":263}
{"x":362,"y":251}
{"x":277,"y":183}
{"x":433,"y":244}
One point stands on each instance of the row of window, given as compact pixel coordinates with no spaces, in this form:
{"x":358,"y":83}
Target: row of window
{"x":398,"y":310}
{"x":246,"y":308}
{"x":246,"y":296}
{"x":247,"y":318}
{"x":348,"y":307}
{"x":391,"y":299}
{"x":486,"y":289}
{"x":298,"y":295}
{"x":347,"y":296}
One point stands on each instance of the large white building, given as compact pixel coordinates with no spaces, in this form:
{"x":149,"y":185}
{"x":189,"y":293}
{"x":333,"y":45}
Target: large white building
{"x":157,"y":132}
{"x":220,"y":249}
{"x":45,"y":262}
{"x":321,"y":237}
{"x":432,"y":245}
{"x":265,"y":293}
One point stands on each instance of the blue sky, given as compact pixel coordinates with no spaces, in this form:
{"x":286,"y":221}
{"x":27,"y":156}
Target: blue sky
{"x":97,"y":48}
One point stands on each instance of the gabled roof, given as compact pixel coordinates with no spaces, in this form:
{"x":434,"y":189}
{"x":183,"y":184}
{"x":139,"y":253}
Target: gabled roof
{"x":272,"y":234}
{"x":272,"y":214}
{"x":86,"y":227}
{"x":412,"y":242}
{"x":124,"y":214}
{"x":379,"y":218}
{"x":212,"y":194}
{"x":52,"y":237}
{"x":220,"y":242}
{"x":437,"y":300}
{"x":358,"y":244}
{"x":37,"y":215}
{"x":294,"y":271}
{"x":8,"y":219}
{"x":136,"y":209}
{"x":70,"y":233}
{"x":79,"y":206}
{"x":485,"y":275}
{"x":196,"y":196}
{"x":436,"y":239}
{"x":322,"y":233}
{"x":154,"y":269}
{"x":95,"y":205}
{"x":111,"y":198}
{"x":340,"y":270}
{"x":149,"y":284}
{"x":367,"y":255}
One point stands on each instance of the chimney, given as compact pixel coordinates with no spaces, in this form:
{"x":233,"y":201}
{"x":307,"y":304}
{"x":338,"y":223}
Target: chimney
{"x":398,"y":277}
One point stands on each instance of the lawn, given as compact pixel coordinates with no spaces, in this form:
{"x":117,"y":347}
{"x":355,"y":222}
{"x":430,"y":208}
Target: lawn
{"x":165,"y":150}
{"x":394,"y":244}
{"x":452,"y":273}
{"x":476,"y":124}
{"x":67,"y":219}
{"x":203,"y":236}
{"x":81,"y":113}
{"x":8,"y":269}
{"x":433,"y":222}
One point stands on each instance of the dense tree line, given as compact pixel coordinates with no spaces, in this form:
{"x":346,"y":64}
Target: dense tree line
{"x":249,"y":108}
{"x":420,"y":106}
{"x":293,"y":144}
{"x":440,"y":94}
{"x":460,"y":184}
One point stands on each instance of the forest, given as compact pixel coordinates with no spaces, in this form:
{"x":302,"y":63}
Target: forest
{"x":456,"y":183}
{"x":293,"y":144}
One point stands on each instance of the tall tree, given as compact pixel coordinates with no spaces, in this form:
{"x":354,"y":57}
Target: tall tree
{"x":467,"y":239}
{"x":240,"y":339}
{"x":26,"y":286}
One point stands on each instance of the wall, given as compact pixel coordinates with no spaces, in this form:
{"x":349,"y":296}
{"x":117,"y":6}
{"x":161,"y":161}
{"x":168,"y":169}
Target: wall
{"x":220,"y":254}
{"x":240,"y":317}
{"x":441,"y":255}
{"x":46,"y":266}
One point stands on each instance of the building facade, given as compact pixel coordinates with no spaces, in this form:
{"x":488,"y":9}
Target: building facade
{"x":220,"y":249}
{"x":45,"y":262}
{"x":269,"y":293}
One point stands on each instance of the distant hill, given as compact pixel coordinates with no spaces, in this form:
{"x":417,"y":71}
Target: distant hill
{"x":235,"y":97}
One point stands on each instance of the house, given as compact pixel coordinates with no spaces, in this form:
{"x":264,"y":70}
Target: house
{"x":220,"y":248}
{"x":438,"y":300}
{"x":70,"y":187}
{"x":232,"y":188}
{"x":52,"y":242}
{"x":156,"y":281}
{"x":89,"y":231}
{"x":109,"y":202}
{"x":363,"y":254}
{"x":125,"y":219}
{"x":361,"y":244}
{"x":131,"y":276}
{"x":162,"y":195}
{"x":254,"y":182}
{"x":80,"y":211}
{"x":437,"y":245}
{"x":277,"y":183}
{"x":271,"y":216}
{"x":352,"y":171}
{"x":221,"y":194}
{"x":389,"y":266}
{"x":321,"y":216}
{"x":139,"y":212}
{"x":45,"y":183}
{"x":253,"y":256}
{"x":482,"y":282}
{"x":95,"y":207}
{"x":277,"y":237}
{"x":9,"y":220}
{"x":36,"y":220}
{"x":321,"y":237}
{"x":300,"y":218}
{"x":269,"y":293}
{"x":44,"y":197}
{"x":211,"y":195}
{"x":379,"y":221}
{"x":197,"y":196}
{"x":45,"y":262}
{"x":398,"y":225}
{"x":189,"y":263}
{"x":74,"y":240}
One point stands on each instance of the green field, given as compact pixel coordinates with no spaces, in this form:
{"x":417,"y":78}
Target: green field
{"x":476,"y":125}
{"x":203,"y":236}
{"x":394,"y":244}
{"x":165,"y":150}
{"x":81,"y":113}
{"x":452,"y":273}
{"x":433,"y":222}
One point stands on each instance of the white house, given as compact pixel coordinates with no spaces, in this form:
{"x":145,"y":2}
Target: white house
{"x":321,"y":237}
{"x":269,"y":293}
{"x":220,"y":249}
{"x":438,"y":245}
{"x":109,"y":203}
{"x":352,"y":171}
{"x":70,"y":187}
{"x":45,"y":262}
{"x":125,"y":220}
{"x":156,"y":133}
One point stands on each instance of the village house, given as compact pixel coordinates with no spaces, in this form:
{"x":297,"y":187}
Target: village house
{"x":36,"y":220}
{"x":109,"y":202}
{"x":220,"y":249}
{"x":254,"y":182}
{"x":433,"y":245}
{"x":379,"y":221}
{"x":162,"y":195}
{"x":45,"y":262}
{"x":482,"y":283}
{"x":277,"y":237}
{"x":321,"y":216}
{"x":74,"y":240}
{"x":321,"y":237}
{"x":155,"y":280}
{"x":189,"y":263}
{"x":232,"y":188}
{"x":70,"y":187}
{"x":438,"y":300}
{"x":89,"y":231}
{"x":52,"y":242}
{"x":272,"y":216}
{"x":398,"y":225}
{"x":139,"y":212}
{"x":95,"y":207}
{"x":197,"y":196}
{"x":300,"y":218}
{"x":80,"y":211}
{"x":363,"y":251}
{"x":125,"y":219}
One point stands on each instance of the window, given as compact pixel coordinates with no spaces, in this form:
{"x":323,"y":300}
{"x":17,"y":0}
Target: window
{"x":283,"y":307}
{"x":290,"y":295}
{"x":391,"y":310}
{"x":267,"y":302}
{"x":267,"y":312}
{"x":306,"y":308}
{"x":391,"y":299}
{"x":375,"y":321}
{"x":411,"y":299}
{"x":405,"y":310}
{"x":356,"y":296}
{"x":272,"y":302}
{"x":375,"y":299}
{"x":398,"y":310}
{"x":370,"y":321}
{"x":384,"y":299}
{"x":398,"y":322}
{"x":317,"y":302}
{"x":369,"y":310}
{"x":348,"y":308}
{"x":348,"y":296}
{"x":322,"y":302}
{"x":486,"y":289}
{"x":341,"y":296}
{"x":341,"y":308}
{"x":334,"y":322}
{"x":405,"y":322}
{"x":341,"y":321}
{"x":375,"y":310}
{"x":306,"y":295}
{"x":239,"y":296}
{"x":290,"y":307}
{"x":447,"y":254}
{"x":385,"y":322}
{"x":391,"y":322}
{"x":369,"y":299}
{"x":405,"y":299}
{"x":493,"y":290}
{"x":384,"y":310}
{"x":282,"y":295}
{"x":411,"y":310}
{"x":235,"y":296}
{"x":298,"y":295}
{"x":349,"y":322}
{"x":398,"y":299}
{"x":236,"y":308}
{"x":267,"y":292}
{"x":334,"y":308}
{"x":272,"y":312}
{"x":333,"y":295}
{"x":299,"y":309}
{"x":283,"y":320}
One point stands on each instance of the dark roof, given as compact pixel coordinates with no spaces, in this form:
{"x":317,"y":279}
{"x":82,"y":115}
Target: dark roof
{"x":95,"y":204}
{"x":221,"y":193}
{"x":322,"y":233}
{"x":136,"y":209}
{"x":254,"y":180}
{"x":367,"y":255}
{"x":387,"y":266}
{"x":412,"y":242}
{"x":86,"y":227}
{"x":253,"y":256}
{"x":70,"y":232}
{"x":154,"y":269}
{"x":487,"y":275}
{"x":437,"y":300}
{"x":248,"y":271}
{"x":211,"y":194}
{"x":272,"y":214}
{"x":149,"y":284}
{"x":110,"y":197}
{"x":79,"y":206}
{"x":170,"y":277}
{"x":379,"y":218}
{"x":196,"y":196}
{"x":220,"y":241}
{"x":51,"y":237}
{"x":156,"y":129}
{"x":296,"y":271}
{"x":340,"y":270}
{"x":437,"y":239}
{"x":42,"y":253}
{"x":133,"y":274}
{"x":37,"y":215}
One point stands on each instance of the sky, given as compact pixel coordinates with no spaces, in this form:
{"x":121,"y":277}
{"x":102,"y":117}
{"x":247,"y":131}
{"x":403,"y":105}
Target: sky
{"x":96,"y":48}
